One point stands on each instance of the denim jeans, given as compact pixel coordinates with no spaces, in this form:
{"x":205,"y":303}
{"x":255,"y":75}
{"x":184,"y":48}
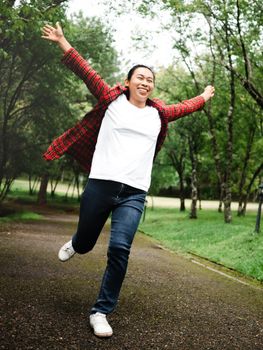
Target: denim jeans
{"x":125,"y":204}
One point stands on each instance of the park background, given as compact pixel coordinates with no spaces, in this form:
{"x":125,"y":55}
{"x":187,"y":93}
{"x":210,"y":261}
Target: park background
{"x":214,"y":154}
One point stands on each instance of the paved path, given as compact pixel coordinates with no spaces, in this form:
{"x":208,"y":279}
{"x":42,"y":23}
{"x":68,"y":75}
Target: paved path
{"x":167,"y":302}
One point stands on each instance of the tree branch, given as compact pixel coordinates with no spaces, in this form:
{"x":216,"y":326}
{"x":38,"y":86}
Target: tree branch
{"x":244,"y":51}
{"x":54,"y":5}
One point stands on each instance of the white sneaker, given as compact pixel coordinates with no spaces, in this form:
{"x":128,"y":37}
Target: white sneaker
{"x":66,"y":251}
{"x":100,"y":325}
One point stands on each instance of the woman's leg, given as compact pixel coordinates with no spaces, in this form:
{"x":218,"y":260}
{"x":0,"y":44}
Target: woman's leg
{"x":95,"y":207}
{"x":125,"y":220}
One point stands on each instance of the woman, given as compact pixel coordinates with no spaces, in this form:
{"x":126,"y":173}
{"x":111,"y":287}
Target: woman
{"x":116,"y":142}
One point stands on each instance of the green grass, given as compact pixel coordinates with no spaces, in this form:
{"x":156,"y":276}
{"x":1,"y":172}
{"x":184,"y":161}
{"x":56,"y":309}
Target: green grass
{"x":233,"y":245}
{"x":26,"y":215}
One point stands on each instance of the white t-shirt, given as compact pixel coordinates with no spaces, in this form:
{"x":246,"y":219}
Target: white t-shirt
{"x":126,"y":144}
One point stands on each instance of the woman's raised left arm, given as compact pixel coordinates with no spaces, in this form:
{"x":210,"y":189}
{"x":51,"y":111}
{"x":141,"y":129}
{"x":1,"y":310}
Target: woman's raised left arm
{"x":178,"y":110}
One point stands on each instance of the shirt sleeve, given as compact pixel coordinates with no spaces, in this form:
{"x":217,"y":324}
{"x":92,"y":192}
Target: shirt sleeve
{"x":78,"y":65}
{"x":178,"y":110}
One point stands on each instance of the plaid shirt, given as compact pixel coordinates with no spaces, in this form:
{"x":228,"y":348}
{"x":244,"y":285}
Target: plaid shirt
{"x":80,"y":141}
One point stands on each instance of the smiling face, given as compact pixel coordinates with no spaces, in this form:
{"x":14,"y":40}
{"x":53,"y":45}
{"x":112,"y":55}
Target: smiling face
{"x":141,"y":85}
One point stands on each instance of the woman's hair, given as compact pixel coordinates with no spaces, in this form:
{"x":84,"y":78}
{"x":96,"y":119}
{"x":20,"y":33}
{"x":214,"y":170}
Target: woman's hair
{"x":132,"y":70}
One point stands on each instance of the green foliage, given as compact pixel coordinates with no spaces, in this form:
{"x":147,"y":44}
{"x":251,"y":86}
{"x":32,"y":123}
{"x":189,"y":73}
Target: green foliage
{"x":94,"y":40}
{"x":22,"y":64}
{"x":206,"y":33}
{"x":39,"y":99}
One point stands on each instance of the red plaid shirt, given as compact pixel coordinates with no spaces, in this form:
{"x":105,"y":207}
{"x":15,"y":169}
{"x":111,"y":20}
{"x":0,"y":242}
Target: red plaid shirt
{"x":80,"y":141}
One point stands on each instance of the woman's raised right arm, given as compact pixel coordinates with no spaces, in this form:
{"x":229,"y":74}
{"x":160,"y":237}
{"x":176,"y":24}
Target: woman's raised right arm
{"x":74,"y":61}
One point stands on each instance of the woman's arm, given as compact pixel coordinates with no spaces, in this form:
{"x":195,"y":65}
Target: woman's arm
{"x":74,"y":61}
{"x":181,"y":109}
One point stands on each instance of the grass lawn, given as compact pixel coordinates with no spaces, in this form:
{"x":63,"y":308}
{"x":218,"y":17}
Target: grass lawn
{"x":24,"y":215}
{"x":233,"y":245}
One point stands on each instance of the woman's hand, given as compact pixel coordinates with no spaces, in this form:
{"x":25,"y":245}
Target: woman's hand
{"x":208,"y":93}
{"x":56,"y":35}
{"x":51,"y":33}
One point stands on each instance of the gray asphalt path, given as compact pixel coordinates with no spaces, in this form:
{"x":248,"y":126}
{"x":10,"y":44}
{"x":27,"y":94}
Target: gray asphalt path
{"x":167,"y":302}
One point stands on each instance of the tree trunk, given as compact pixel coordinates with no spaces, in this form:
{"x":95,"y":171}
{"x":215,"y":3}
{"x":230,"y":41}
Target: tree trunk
{"x":239,"y":208}
{"x":221,"y":196}
{"x":178,"y":164}
{"x":67,"y":192}
{"x":251,"y":135}
{"x":30,"y":184}
{"x":227,"y":205}
{"x":229,"y":148}
{"x":54,"y":186}
{"x":193,"y":212}
{"x":181,"y":189}
{"x":193,"y":157}
{"x":42,"y":194}
{"x":215,"y":153}
{"x":255,"y":175}
{"x":4,"y":189}
{"x":3,"y":149}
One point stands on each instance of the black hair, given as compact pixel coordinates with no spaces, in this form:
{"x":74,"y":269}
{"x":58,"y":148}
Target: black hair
{"x":132,"y":70}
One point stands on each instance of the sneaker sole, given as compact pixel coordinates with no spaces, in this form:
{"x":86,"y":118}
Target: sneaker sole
{"x":65,"y":259}
{"x":103,"y":335}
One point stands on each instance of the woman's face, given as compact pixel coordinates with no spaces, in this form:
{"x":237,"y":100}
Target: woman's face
{"x":140,"y":86}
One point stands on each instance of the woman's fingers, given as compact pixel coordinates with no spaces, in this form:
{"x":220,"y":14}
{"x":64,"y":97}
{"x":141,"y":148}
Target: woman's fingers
{"x":44,"y":37}
{"x":49,"y":27}
{"x":49,"y":32}
{"x":210,"y":89}
{"x":52,"y":32}
{"x":45,"y":30}
{"x":209,"y":92}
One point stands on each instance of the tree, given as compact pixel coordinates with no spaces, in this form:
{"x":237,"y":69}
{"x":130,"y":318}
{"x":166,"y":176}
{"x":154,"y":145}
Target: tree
{"x":184,"y":141}
{"x":20,"y":62}
{"x":38,"y":100}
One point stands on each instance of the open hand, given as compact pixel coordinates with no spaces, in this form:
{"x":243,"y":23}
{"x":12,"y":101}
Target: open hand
{"x":51,"y":33}
{"x":208,"y":92}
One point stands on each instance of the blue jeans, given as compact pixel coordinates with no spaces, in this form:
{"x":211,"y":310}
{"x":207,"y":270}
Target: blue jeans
{"x":100,"y":199}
